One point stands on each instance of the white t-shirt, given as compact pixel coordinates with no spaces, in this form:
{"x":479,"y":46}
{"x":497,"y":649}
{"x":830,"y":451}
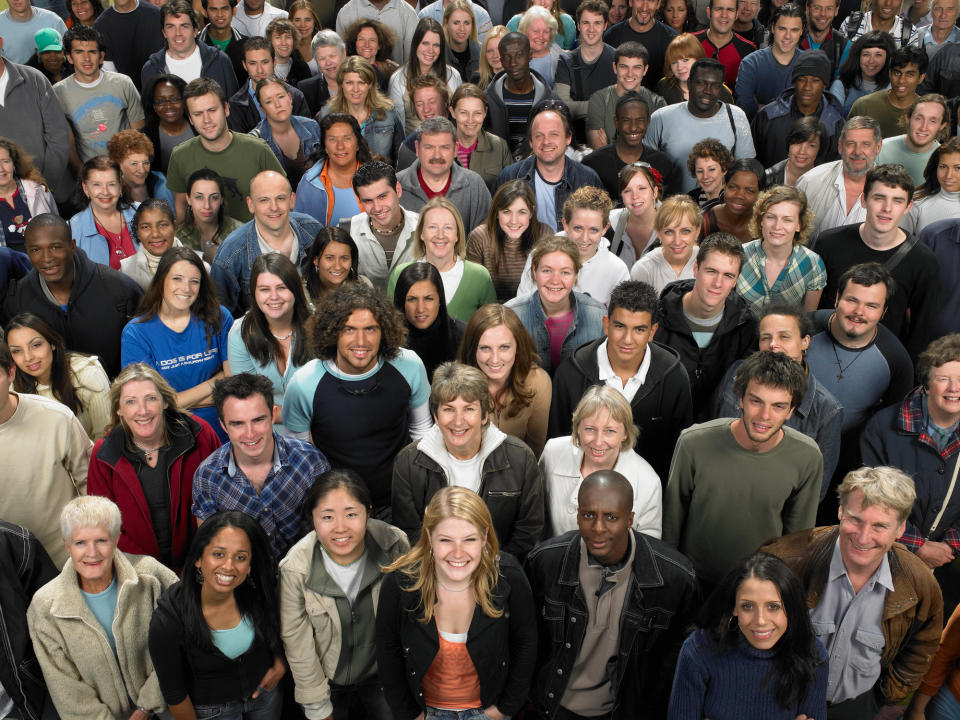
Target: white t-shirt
{"x":466,"y":473}
{"x":188,"y":69}
{"x":348,"y":577}
{"x":451,"y":280}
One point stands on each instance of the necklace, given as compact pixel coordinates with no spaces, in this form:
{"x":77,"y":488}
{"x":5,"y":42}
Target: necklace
{"x":833,"y":344}
{"x":450,"y":589}
{"x":390,"y":231}
{"x":148,"y":454}
{"x":283,"y":337}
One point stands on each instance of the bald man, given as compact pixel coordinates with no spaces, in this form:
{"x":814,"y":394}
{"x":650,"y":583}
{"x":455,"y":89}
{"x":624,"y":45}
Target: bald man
{"x":613,"y":604}
{"x":275,"y":228}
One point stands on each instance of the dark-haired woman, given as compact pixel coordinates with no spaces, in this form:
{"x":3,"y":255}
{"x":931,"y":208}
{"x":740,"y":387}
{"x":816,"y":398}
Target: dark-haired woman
{"x":165,"y":116}
{"x":866,"y":69}
{"x":181,"y":332}
{"x":215,"y":635}
{"x":331,"y":261}
{"x":939,"y":196}
{"x":742,"y":183}
{"x":23,"y":193}
{"x":755,"y":654}
{"x":339,"y":561}
{"x":154,"y":229}
{"x":206,"y":224}
{"x":83,"y":12}
{"x":373,"y":41}
{"x":102,"y":229}
{"x":293,"y":139}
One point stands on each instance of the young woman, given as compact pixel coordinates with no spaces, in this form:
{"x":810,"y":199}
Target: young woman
{"x":682,"y":52}
{"x":565,"y":32}
{"x":541,"y":28}
{"x":215,"y":635}
{"x":431,"y":333}
{"x":498,"y":345}
{"x":939,"y":196}
{"x":165,"y":116}
{"x":778,"y":266}
{"x":755,"y":653}
{"x":866,"y":69}
{"x":477,"y":149}
{"x":803,"y":148}
{"x":181,"y":332}
{"x":330,"y":262}
{"x":454,"y":580}
{"x":602,"y":439}
{"x":440,"y":240}
{"x":292,"y":138}
{"x":206,"y":224}
{"x":679,"y":15}
{"x":742,"y":183}
{"x":490,"y":63}
{"x":460,"y":31}
{"x":83,"y":12}
{"x":373,"y":41}
{"x":284,"y":37}
{"x":706,"y":163}
{"x":307,"y":23}
{"x":23,"y":193}
{"x":102,"y":229}
{"x":45,"y":367}
{"x":340,"y":559}
{"x":677,"y":226}
{"x":503,"y":243}
{"x":51,"y":63}
{"x":153,"y":228}
{"x":633,"y":224}
{"x":133,"y":152}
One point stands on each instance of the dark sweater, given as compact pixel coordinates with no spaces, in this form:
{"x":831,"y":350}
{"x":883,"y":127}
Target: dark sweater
{"x":607,"y":164}
{"x":131,"y":38}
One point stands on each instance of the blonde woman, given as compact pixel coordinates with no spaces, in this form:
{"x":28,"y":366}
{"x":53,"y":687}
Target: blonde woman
{"x":490,"y":63}
{"x":566,"y":27}
{"x":541,"y":28}
{"x":677,"y":226}
{"x":460,"y":29}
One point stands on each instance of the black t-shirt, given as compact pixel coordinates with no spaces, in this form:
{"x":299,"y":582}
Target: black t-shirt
{"x":655,"y":40}
{"x":518,"y":114}
{"x":131,"y":38}
{"x":608,"y":164}
{"x":593,"y":77}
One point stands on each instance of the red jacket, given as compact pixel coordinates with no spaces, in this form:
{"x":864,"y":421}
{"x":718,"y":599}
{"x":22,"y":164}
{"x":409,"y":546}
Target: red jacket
{"x":112,"y":475}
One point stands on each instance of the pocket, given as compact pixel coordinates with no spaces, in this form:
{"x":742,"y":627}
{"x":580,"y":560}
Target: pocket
{"x":207,"y":712}
{"x":319,"y":617}
{"x":865,"y":652}
{"x":823,"y":630}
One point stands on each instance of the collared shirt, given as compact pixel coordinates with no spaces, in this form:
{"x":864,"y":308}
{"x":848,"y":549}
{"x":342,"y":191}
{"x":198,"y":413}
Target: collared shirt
{"x":611,"y":379}
{"x":803,"y":272}
{"x":932,"y":46}
{"x":837,"y":215}
{"x":266,"y":248}
{"x":849,"y":626}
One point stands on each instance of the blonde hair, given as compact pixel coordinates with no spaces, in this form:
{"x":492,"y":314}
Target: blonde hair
{"x":139,"y":372}
{"x":90,"y":511}
{"x":885,"y":486}
{"x":588,"y":197}
{"x":466,"y":7}
{"x":487,"y":72}
{"x":603,"y":397}
{"x":419,"y":247}
{"x":776,"y":195}
{"x":674,"y":209}
{"x":555,"y":243}
{"x":378,"y":103}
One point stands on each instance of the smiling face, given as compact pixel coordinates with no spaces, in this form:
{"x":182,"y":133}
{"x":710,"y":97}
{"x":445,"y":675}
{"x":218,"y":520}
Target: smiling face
{"x":135,"y":168}
{"x":803,"y":155}
{"x":461,"y":424}
{"x":428,"y":51}
{"x":765,"y":409}
{"x":359,"y":343}
{"x":439,"y":236}
{"x":31,"y":353}
{"x":639,"y":196}
{"x":859,"y":309}
{"x":924,"y":125}
{"x":340,"y":521}
{"x":539,"y":33}
{"x":886,"y":205}
{"x":103,"y":189}
{"x":428,"y":103}
{"x":277,"y":103}
{"x":619,"y":9}
{"x":515,"y":219}
{"x":168,"y":103}
{"x":225,"y":562}
{"x":709,"y":175}
{"x":780,"y":224}
{"x":885,"y":9}
{"x":52,"y":61}
{"x":341,"y":145}
{"x":468,"y":114}
{"x":555,"y":277}
{"x":457,"y":547}
{"x":83,"y":11}
{"x":141,"y":407}
{"x":714,"y":279}
{"x":786,"y":34}
{"x":629,"y":72}
{"x":871,"y":62}
{"x":604,"y":518}
{"x":50,"y":250}
{"x":155,"y":231}
{"x":643,"y":13}
{"x":7,"y":170}
{"x":368,"y":44}
{"x":600,"y":438}
{"x":948,"y":172}
{"x":282,"y":47}
{"x":204,"y":201}
{"x":740,"y":193}
{"x":747,"y":11}
{"x":904,"y":82}
{"x":781,"y":334}
{"x":548,"y":137}
{"x":181,"y":286}
{"x":586,"y":229}
{"x":820,"y":14}
{"x":866,"y":533}
{"x":943,"y":393}
{"x":381,"y":202}
{"x":492,"y":54}
{"x":591,"y":28}
{"x":355,"y":90}
{"x":436,"y":152}
{"x":273,"y":297}
{"x":496,"y":353}
{"x":219,"y":13}
{"x":91,"y":550}
{"x":271,"y":201}
{"x":328,"y":59}
{"x":459,"y":26}
{"x":333,"y":264}
{"x":248,"y":423}
{"x":760,"y":613}
{"x":628,"y":334}
{"x":677,"y":241}
{"x":631,"y":122}
{"x":705,"y":92}
{"x":422,"y":304}
{"x":180,"y":34}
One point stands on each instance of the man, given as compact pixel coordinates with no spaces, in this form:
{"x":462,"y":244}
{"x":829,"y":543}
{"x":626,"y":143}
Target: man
{"x":18,"y":24}
{"x":219,"y":33}
{"x":874,"y":605}
{"x":908,"y":65}
{"x":821,"y":35}
{"x":383,"y":232}
{"x":943,"y":29}
{"x":44,"y":454}
{"x":329,"y":50}
{"x":596,"y":591}
{"x":586,"y":70}
{"x":397,"y":15}
{"x":245,"y":111}
{"x":481,"y":16}
{"x":364,"y":397}
{"x":631,"y":118}
{"x":183,"y":56}
{"x":251,"y":17}
{"x":551,"y":174}
{"x":808,"y":97}
{"x":725,"y":471}
{"x":98,"y":103}
{"x":943,"y":238}
{"x":927,"y":121}
{"x":131,"y":33}
{"x":649,"y":375}
{"x":630,"y":66}
{"x":766,"y":73}
{"x":719,"y":41}
{"x":884,"y":15}
{"x":274,"y":228}
{"x":675,"y":129}
{"x":259,"y":472}
{"x":431,"y":98}
{"x":835,"y":189}
{"x":911,"y":308}
{"x":435,"y":173}
{"x":705,"y":321}
{"x":87,"y":303}
{"x":747,"y":25}
{"x":236,"y":157}
{"x":643,"y":27}
{"x":943,"y":73}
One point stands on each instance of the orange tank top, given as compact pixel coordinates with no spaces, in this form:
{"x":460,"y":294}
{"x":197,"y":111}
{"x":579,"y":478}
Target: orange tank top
{"x":451,"y":682}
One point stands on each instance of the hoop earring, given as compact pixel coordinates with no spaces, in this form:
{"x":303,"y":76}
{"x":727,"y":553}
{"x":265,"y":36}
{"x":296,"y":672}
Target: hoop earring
{"x":198,"y":576}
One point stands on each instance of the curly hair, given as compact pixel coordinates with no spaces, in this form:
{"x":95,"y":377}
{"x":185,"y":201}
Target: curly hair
{"x":710,"y":148}
{"x":780,"y":194}
{"x":587,"y":197}
{"x":23,"y":167}
{"x":938,"y":353}
{"x":126,"y":143}
{"x":386,"y":38}
{"x":324,"y":328}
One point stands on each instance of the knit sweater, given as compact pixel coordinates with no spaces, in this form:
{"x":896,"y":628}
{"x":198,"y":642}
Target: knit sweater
{"x":93,"y":390}
{"x":942,"y":206}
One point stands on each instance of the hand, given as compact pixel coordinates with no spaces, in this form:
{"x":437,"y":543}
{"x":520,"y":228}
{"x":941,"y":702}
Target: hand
{"x":271,"y":678}
{"x":802,"y":717}
{"x":935,"y":554}
{"x":602,"y":134}
{"x":494,"y":714}
{"x":138,"y":714}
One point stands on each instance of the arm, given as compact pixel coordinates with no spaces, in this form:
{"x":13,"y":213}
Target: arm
{"x":676,"y":500}
{"x":56,"y":133}
{"x":828,"y":439}
{"x":745,"y":89}
{"x":522,"y":644}
{"x":943,"y":665}
{"x":528,"y":526}
{"x":923,"y":305}
{"x":561,"y":414}
{"x":407,"y":512}
{"x":204,"y":495}
{"x":811,"y":300}
{"x":227,"y":285}
{"x":689,"y":684}
{"x":800,"y":510}
{"x":200,"y":395}
{"x":536,"y":435}
{"x":391,"y":658}
{"x":578,"y":108}
{"x":76,"y":460}
{"x":648,"y":503}
{"x":596,"y":135}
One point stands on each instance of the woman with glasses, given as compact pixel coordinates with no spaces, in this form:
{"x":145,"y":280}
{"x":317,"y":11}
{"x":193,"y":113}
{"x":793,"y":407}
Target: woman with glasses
{"x":165,"y":116}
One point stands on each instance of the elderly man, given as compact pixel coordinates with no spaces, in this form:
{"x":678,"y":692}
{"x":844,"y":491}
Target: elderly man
{"x":329,"y":50}
{"x":943,"y":29}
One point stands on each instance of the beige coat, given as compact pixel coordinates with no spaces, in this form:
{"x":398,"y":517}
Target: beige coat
{"x":85,"y":679}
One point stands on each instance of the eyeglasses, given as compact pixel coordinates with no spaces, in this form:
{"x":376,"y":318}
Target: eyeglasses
{"x":168,"y":101}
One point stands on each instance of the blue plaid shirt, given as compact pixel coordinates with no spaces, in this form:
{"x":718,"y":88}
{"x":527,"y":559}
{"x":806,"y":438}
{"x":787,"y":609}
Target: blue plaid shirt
{"x":804,"y":271}
{"x":219,"y":484}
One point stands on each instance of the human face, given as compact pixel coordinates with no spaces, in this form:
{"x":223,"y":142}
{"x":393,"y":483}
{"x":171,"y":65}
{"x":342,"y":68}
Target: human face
{"x":168,"y":103}
{"x":368,"y":44}
{"x":469,"y":114}
{"x":91,"y":550}
{"x":644,"y":13}
{"x":492,"y":53}
{"x":601,"y":438}
{"x":355,"y":90}
{"x":83,"y":10}
{"x":858,"y":151}
{"x":459,"y":26}
{"x":555,"y":277}
{"x":515,"y":61}
{"x":943,"y":391}
{"x":675,"y":13}
{"x":225,"y":562}
{"x":333,"y":264}
{"x":103,"y":189}
{"x":548,"y":138}
{"x":276,"y":101}
{"x":705,"y":92}
{"x":871,"y":62}
{"x":948,"y":172}
{"x":328,"y":60}
{"x":820,"y":14}
{"x":628,"y":334}
{"x":271,"y":201}
{"x":435,"y":152}
{"x":155,"y":231}
{"x":52,"y":60}
{"x":428,"y":103}
{"x":740,"y":193}
{"x":618,"y":11}
{"x":747,"y":11}
{"x":273,"y":297}
{"x":359,"y":343}
{"x":866,"y":534}
{"x":303,"y":21}
{"x":722,"y":15}
{"x":141,"y":407}
{"x":457,"y":547}
{"x":780,"y":224}
{"x":19,"y":7}
{"x":630,"y":72}
{"x":248,"y":423}
{"x":586,"y":229}
{"x":639,"y":196}
{"x":709,"y":175}
{"x":422,"y":304}
{"x":760,"y":614}
{"x":340,"y":521}
{"x":765,"y":409}
{"x":904,"y":82}
{"x":944,"y":15}
{"x":461,"y":423}
{"x":135,"y":168}
{"x":925,"y":124}
{"x":86,"y":59}
{"x":428,"y":51}
{"x":604,"y":518}
{"x":381,"y":202}
{"x":282,"y":46}
{"x":539,"y":33}
{"x":219,"y":13}
{"x":31,"y":353}
{"x":885,"y":206}
{"x":809,"y":91}
{"x":677,"y":240}
{"x":803,"y":155}
{"x":781,"y":334}
{"x":496,"y":353}
{"x":859,"y":309}
{"x":786,"y":34}
{"x":204,"y":201}
{"x":631,"y":122}
{"x":885,"y":9}
{"x":181,"y":286}
{"x":515,"y":219}
{"x":50,"y":250}
{"x":439,"y":236}
{"x":681,"y":68}
{"x":180,"y":34}
{"x":591,"y":27}
{"x":208,"y":116}
{"x":7,"y":170}
{"x":714,"y":279}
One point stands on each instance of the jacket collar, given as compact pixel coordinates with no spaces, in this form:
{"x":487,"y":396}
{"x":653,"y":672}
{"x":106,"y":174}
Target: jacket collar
{"x":69,"y":602}
{"x":911,"y":420}
{"x":645,"y":570}
{"x":431,"y":445}
{"x":181,"y":427}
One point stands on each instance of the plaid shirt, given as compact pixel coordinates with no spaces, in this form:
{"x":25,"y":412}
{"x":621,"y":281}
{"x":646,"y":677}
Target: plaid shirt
{"x":219,"y":484}
{"x":804,"y":271}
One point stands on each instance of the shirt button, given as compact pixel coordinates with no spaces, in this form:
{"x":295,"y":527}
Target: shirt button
{"x":573,"y":619}
{"x":559,"y":671}
{"x":550,"y":695}
{"x":567,"y":645}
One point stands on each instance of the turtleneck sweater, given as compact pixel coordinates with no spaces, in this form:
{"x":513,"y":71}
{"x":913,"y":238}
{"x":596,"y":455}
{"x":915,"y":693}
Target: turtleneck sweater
{"x":942,"y":206}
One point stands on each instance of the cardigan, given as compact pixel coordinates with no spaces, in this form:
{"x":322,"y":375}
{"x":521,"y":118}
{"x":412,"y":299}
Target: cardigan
{"x":474,"y":291}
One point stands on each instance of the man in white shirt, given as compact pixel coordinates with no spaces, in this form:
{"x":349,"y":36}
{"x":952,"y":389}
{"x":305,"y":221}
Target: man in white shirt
{"x":395,"y":14}
{"x":253,"y":16}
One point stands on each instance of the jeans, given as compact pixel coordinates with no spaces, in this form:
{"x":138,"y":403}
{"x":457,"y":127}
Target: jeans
{"x":267,"y":706}
{"x":944,"y":706}
{"x":469,"y":714}
{"x":360,"y":701}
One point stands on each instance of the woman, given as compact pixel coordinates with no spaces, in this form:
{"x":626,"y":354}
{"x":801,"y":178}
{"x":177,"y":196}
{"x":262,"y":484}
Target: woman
{"x":603,"y":438}
{"x":165,"y":116}
{"x":23,"y":193}
{"x":803,"y":149}
{"x":133,"y":152}
{"x":565,"y":32}
{"x":326,"y":189}
{"x":460,"y":31}
{"x":939,"y":196}
{"x":215,"y":635}
{"x":87,"y":623}
{"x":340,"y":559}
{"x":490,"y":63}
{"x":503,"y":243}
{"x":706,"y":163}
{"x":205,"y":225}
{"x":153,"y":228}
{"x":381,"y":122}
{"x":742,"y":183}
{"x":541,"y":27}
{"x":633,"y":224}
{"x":102,"y":229}
{"x":146,"y":464}
{"x":374,"y":42}
{"x":866,"y":69}
{"x":778,"y":266}
{"x":307,"y":23}
{"x":677,"y":226}
{"x":682,"y":52}
{"x":498,"y":345}
{"x":270,"y":339}
{"x":477,"y":149}
{"x":83,"y":12}
{"x":936,"y":698}
{"x":181,"y":332}
{"x":558,"y":319}
{"x":331,"y":261}
{"x":755,"y":654}
{"x":679,"y":15}
{"x":51,"y":63}
{"x":284,"y":38}
{"x":45,"y":367}
{"x":431,"y":333}
{"x":292,"y":138}
{"x":440,"y":240}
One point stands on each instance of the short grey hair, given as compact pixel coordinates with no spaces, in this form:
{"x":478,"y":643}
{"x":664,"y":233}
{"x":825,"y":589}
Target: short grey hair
{"x":327,"y":38}
{"x":861,"y":122}
{"x":436,"y":125}
{"x":89,"y":511}
{"x":535,"y":12}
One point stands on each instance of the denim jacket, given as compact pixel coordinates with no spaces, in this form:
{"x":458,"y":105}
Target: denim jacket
{"x":83,"y":227}
{"x":575,"y":175}
{"x":307,"y":130}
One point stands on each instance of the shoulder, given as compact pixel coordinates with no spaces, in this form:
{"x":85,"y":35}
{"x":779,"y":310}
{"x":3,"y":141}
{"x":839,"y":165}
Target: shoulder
{"x":408,"y":364}
{"x":37,"y":406}
{"x":797,"y":441}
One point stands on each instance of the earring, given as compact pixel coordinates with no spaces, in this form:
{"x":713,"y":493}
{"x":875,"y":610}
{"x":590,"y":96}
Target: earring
{"x":733,"y":623}
{"x":198,"y":576}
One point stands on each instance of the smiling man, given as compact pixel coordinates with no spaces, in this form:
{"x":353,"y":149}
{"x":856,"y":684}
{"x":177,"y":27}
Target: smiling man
{"x":586,"y":70}
{"x":885,"y":16}
{"x":927,"y":121}
{"x":766,"y":73}
{"x":643,"y":27}
{"x":720,"y":41}
{"x":908,"y":67}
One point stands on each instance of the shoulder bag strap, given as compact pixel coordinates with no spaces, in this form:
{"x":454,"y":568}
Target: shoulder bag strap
{"x":901,"y":253}
{"x":946,"y":500}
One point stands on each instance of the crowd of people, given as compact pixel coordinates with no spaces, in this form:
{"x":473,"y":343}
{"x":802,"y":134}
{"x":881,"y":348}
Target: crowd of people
{"x":480,"y":359}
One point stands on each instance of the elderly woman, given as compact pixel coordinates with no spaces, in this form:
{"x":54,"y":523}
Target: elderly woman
{"x":373,"y":41}
{"x":540,"y":26}
{"x":603,"y":438}
{"x":87,"y":624}
{"x":23,"y":193}
{"x":133,"y":152}
{"x":102,"y":228}
{"x":464,"y":448}
{"x":564,"y":30}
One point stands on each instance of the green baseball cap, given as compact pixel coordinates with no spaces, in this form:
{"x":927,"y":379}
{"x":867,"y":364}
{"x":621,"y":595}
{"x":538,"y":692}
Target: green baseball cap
{"x":47,"y":39}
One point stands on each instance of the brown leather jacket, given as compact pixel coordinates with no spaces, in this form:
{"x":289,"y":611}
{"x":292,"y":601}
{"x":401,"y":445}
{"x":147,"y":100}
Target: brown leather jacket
{"x":912,"y":615}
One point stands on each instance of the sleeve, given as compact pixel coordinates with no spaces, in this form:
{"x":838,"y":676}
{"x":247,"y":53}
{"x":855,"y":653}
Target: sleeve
{"x":474,"y":247}
{"x":391,"y":658}
{"x":94,"y":392}
{"x":872,"y":450}
{"x":561,"y":407}
{"x":36,"y":567}
{"x":745,"y":89}
{"x":176,"y":180}
{"x":268,"y":161}
{"x":237,"y":354}
{"x":132,"y":101}
{"x":523,"y":645}
{"x":420,"y":420}
{"x":923,"y":305}
{"x":56,"y":133}
{"x":800,"y":510}
{"x":595,"y":113}
{"x":945,"y":661}
{"x":228,"y":291}
{"x":814,"y":703}
{"x":901,"y":369}
{"x":406,"y":510}
{"x":165,"y":642}
{"x":536,"y":435}
{"x":223,"y":337}
{"x":745,"y":147}
{"x":528,"y":525}
{"x":76,"y":460}
{"x":419,"y":413}
{"x":298,"y":401}
{"x":653,"y":137}
{"x":828,"y":439}
{"x":676,"y":500}
{"x":817,"y":279}
{"x":134,"y":345}
{"x":397,"y":86}
{"x":648,"y":503}
{"x":312,"y":685}
{"x":204,"y":498}
{"x":690,"y":682}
